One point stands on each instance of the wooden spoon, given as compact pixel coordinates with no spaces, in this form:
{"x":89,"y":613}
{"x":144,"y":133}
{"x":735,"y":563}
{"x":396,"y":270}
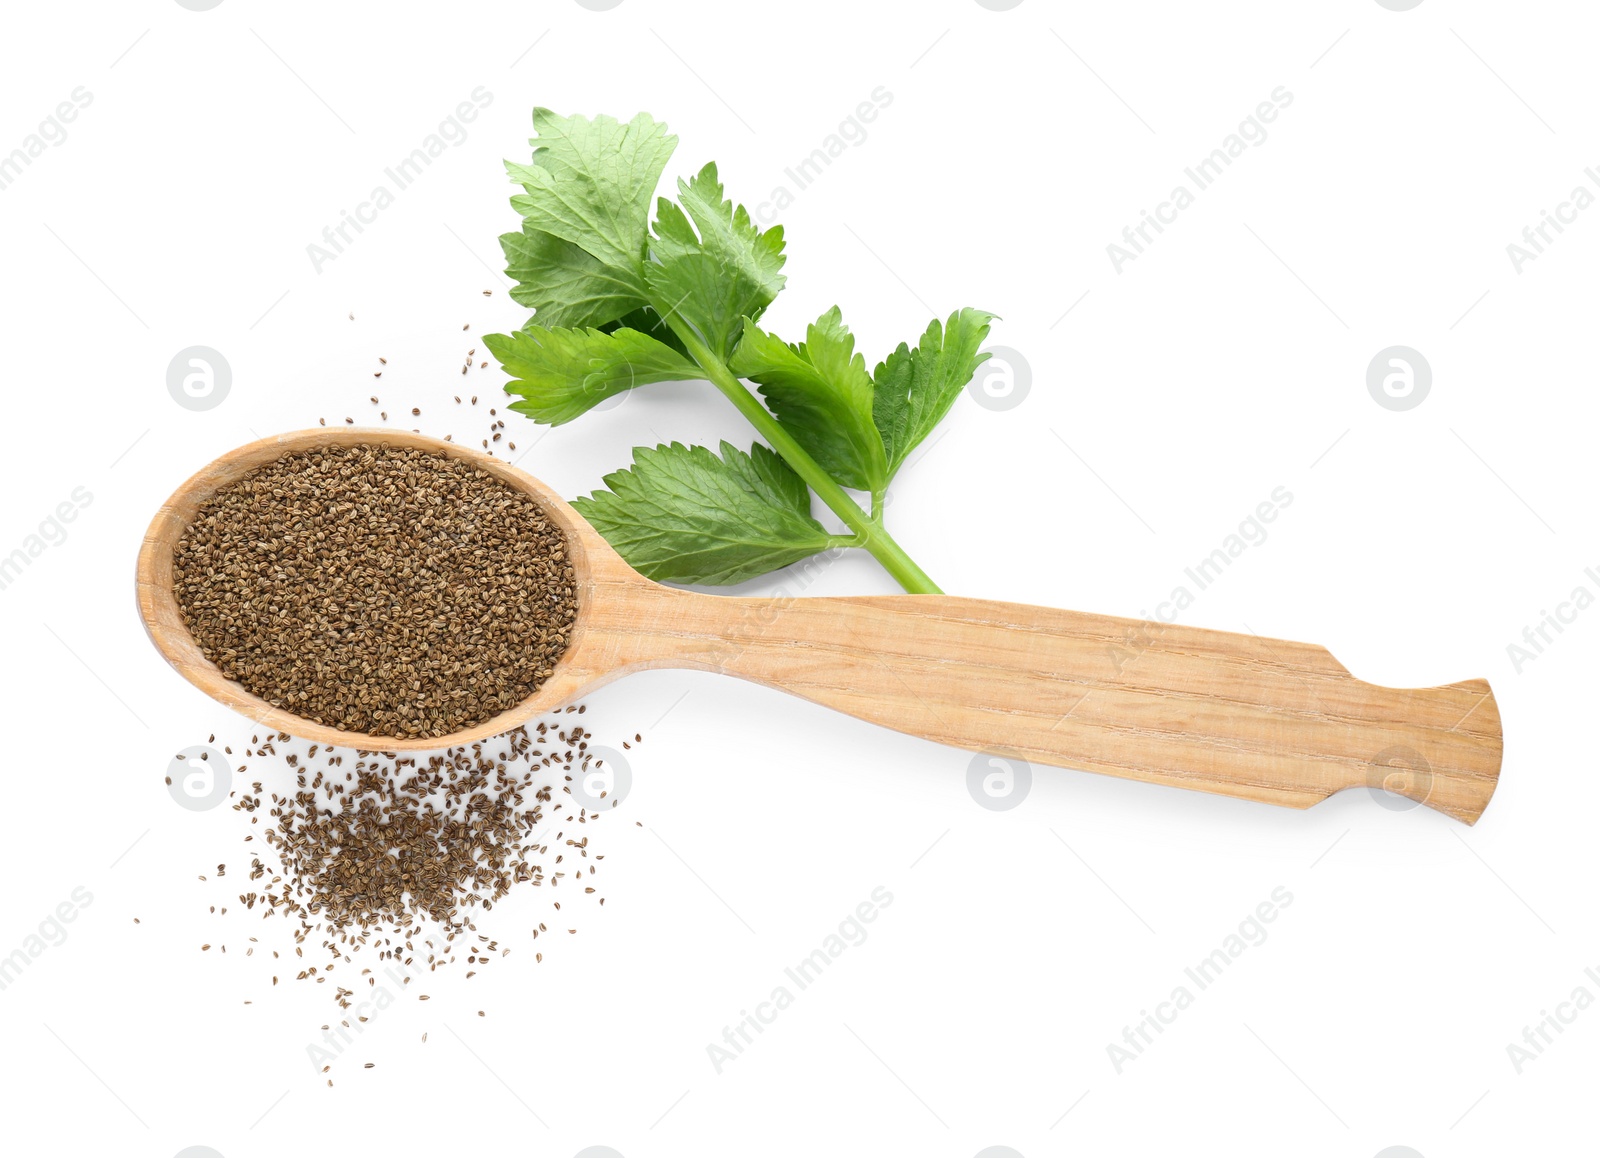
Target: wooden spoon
{"x":1257,"y":718}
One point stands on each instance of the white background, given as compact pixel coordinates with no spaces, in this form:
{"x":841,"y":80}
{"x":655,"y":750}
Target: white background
{"x":1226,"y":361}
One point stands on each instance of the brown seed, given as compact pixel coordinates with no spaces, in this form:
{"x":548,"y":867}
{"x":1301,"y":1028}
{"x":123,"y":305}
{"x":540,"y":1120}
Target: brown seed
{"x":311,"y":653}
{"x":407,"y":839}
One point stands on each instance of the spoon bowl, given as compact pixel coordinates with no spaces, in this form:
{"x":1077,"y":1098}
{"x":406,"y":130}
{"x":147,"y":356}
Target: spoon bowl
{"x":600,"y":573}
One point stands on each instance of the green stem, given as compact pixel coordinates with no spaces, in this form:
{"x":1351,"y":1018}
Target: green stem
{"x":871,"y":533}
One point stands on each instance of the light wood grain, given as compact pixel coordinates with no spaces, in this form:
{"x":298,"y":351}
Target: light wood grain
{"x":1261,"y":719}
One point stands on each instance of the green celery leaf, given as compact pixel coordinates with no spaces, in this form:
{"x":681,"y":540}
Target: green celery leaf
{"x":647,"y":321}
{"x":710,"y":264}
{"x":564,"y":284}
{"x":913,"y":389}
{"x":561,"y":373}
{"x":590,"y":184}
{"x":821,"y":392}
{"x":681,"y":514}
{"x":768,"y":475}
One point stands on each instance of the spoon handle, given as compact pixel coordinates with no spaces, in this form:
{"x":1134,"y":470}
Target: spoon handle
{"x":1262,"y":719}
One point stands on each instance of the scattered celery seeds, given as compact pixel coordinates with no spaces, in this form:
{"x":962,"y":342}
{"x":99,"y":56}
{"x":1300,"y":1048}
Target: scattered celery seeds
{"x":378,"y":589}
{"x":394,"y":855}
